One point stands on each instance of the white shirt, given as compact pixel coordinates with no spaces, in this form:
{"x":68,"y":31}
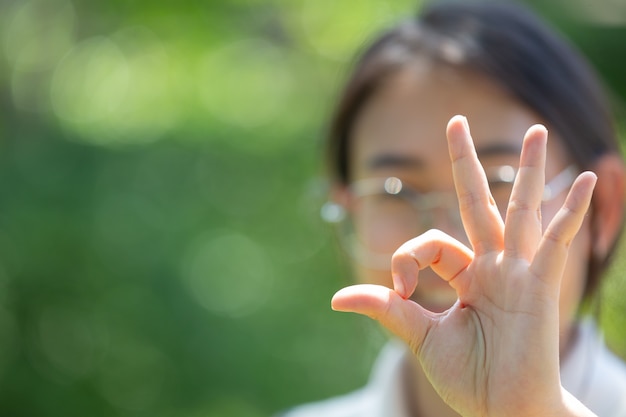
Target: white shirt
{"x":590,"y":372}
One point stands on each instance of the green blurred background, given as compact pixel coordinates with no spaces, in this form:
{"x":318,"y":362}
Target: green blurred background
{"x":161,"y":252}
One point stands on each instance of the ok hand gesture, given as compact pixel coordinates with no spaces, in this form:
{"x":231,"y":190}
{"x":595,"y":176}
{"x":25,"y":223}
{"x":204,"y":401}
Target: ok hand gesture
{"x":496,"y":351}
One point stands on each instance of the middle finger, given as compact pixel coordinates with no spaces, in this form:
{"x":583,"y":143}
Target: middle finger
{"x":481,"y":218}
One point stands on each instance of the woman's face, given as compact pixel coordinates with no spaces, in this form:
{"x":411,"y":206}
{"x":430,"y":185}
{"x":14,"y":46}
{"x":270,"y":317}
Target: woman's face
{"x":400,"y":133}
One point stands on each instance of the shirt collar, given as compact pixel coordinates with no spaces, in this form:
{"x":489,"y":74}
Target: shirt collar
{"x":386,"y":381}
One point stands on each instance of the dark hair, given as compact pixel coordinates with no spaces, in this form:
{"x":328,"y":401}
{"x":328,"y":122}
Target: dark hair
{"x":509,"y":45}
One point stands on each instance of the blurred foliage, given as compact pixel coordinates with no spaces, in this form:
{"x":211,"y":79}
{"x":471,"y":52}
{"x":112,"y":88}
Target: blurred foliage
{"x":161,"y":252}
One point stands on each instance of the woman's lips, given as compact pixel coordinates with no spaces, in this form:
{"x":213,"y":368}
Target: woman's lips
{"x":436,"y":301}
{"x":434,"y":294}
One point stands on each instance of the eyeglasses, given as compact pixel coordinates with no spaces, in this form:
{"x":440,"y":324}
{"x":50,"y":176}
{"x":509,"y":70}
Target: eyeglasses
{"x":385,"y":212}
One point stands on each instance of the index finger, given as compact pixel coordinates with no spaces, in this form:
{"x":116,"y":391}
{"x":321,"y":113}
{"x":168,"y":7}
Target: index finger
{"x":481,"y":218}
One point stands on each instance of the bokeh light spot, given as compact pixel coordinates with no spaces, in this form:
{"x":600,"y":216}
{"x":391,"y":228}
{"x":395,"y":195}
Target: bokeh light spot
{"x":117,"y":90}
{"x":38,"y":33}
{"x":604,"y":12}
{"x":245,"y":83}
{"x":228,"y":274}
{"x":90,"y":82}
{"x":151,"y":105}
{"x":335,"y":37}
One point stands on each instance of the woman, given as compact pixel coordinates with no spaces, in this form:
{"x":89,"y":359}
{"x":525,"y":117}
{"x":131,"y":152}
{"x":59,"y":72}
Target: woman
{"x":505,"y":255}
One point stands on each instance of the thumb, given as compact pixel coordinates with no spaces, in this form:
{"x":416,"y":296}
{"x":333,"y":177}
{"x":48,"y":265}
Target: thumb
{"x":405,"y":318}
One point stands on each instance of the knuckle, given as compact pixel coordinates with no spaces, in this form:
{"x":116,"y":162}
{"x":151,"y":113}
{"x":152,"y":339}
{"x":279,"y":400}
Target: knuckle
{"x":557,"y":236}
{"x":467,"y":198}
{"x":434,"y":235}
{"x":518,"y":205}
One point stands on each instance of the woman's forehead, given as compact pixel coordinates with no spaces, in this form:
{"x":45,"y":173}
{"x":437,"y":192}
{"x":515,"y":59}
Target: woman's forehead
{"x":408,"y":117}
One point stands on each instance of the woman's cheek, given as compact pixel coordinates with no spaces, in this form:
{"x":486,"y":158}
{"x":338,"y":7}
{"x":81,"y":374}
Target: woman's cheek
{"x":373,"y":276}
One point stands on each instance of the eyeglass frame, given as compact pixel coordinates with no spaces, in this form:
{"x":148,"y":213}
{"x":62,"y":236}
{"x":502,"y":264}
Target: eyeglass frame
{"x":335,"y":213}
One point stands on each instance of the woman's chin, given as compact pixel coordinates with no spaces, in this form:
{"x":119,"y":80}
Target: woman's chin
{"x":436,"y":301}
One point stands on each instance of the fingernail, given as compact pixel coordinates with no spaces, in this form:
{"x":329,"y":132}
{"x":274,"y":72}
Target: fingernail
{"x":333,"y":304}
{"x":398,"y":286}
{"x":466,"y":124}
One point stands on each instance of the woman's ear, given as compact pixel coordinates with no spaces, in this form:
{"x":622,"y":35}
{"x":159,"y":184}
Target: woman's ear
{"x":340,"y":194}
{"x":337,"y":207}
{"x":608,"y":203}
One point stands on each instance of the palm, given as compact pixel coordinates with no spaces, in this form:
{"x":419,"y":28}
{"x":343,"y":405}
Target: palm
{"x":478,"y":343}
{"x":495,"y":352}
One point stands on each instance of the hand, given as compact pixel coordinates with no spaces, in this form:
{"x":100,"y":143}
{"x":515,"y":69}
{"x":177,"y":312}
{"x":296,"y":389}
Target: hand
{"x":496,"y":351}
